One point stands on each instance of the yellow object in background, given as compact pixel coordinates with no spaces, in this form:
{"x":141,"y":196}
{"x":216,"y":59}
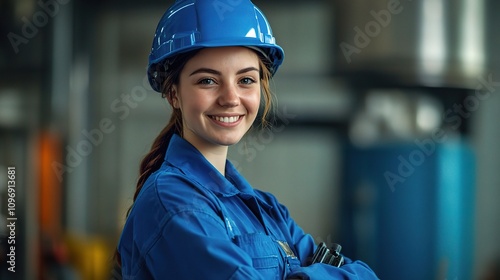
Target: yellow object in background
{"x":92,"y":257}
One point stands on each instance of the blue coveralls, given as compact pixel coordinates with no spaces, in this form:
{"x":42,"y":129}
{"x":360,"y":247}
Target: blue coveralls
{"x":190,"y":222}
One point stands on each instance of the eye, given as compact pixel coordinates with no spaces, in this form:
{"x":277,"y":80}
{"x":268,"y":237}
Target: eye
{"x":247,"y":81}
{"x":206,"y":81}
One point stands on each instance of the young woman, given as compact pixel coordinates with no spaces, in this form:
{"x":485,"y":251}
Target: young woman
{"x":194,"y":216}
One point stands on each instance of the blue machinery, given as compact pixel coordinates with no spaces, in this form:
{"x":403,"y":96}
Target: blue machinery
{"x":409,"y":209}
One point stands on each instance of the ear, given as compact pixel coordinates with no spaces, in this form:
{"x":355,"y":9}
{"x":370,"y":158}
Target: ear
{"x":173,"y":97}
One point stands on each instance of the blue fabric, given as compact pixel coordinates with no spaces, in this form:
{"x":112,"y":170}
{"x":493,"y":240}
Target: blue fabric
{"x":190,"y":222}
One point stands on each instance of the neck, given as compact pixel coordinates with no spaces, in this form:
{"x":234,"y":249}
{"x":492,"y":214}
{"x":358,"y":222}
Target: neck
{"x":217,"y":157}
{"x":215,"y":154}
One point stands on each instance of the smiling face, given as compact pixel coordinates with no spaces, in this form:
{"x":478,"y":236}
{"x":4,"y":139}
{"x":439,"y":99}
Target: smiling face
{"x":218,"y":95}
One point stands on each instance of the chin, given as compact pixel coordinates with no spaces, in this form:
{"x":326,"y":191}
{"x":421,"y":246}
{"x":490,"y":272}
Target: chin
{"x":228,"y":141}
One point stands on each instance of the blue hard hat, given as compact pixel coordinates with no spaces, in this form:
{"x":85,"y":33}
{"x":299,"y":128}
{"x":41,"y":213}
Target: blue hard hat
{"x":193,"y":24}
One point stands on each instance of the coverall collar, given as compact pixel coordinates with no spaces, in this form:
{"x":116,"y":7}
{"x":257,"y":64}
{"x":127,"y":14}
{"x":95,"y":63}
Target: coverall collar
{"x":184,"y":156}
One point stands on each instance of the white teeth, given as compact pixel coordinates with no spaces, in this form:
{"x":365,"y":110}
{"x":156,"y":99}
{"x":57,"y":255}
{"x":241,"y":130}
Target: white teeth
{"x":226,"y":119}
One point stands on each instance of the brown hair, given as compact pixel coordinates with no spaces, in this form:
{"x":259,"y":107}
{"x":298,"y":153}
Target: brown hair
{"x":171,"y":71}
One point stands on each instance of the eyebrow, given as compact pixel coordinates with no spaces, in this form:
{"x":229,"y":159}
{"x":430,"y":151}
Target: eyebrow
{"x":215,"y":72}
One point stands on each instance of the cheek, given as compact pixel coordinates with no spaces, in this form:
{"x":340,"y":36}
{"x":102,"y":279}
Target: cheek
{"x":253,"y":103}
{"x":192,"y":103}
{"x":194,"y":112}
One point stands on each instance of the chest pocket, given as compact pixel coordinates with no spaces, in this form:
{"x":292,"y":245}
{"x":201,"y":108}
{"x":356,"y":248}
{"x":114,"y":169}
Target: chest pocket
{"x":264,"y":253}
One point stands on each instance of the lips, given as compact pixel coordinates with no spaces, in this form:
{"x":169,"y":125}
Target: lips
{"x":228,"y":120}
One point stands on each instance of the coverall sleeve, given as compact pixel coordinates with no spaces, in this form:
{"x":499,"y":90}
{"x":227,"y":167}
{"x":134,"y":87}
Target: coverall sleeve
{"x":305,"y":246}
{"x":349,"y":271}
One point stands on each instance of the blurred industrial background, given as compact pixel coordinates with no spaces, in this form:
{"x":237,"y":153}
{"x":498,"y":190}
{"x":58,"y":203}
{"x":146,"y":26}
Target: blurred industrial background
{"x":385,"y":140}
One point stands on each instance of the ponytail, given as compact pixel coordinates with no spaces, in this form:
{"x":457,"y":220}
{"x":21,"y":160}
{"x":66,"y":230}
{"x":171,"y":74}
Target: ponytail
{"x":171,"y":69}
{"x":154,"y":159}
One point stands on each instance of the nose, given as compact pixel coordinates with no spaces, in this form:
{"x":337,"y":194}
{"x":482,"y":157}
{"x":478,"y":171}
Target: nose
{"x":228,"y":96}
